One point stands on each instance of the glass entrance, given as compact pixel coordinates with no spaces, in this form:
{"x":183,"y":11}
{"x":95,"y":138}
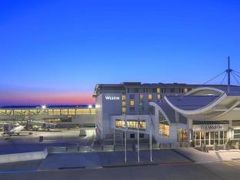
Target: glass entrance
{"x":210,"y":138}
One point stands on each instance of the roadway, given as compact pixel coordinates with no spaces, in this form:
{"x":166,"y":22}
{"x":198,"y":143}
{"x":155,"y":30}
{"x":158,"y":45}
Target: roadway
{"x":212,"y":171}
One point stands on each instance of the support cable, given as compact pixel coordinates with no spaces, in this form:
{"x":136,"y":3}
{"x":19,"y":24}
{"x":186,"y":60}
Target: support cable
{"x":223,"y":78}
{"x":236,"y":74}
{"x":236,"y":79}
{"x":214,"y":77}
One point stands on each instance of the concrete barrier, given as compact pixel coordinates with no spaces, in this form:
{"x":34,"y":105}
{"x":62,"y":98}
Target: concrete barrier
{"x":19,"y":157}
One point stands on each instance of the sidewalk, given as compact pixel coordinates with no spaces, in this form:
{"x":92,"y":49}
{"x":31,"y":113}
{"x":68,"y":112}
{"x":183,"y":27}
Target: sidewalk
{"x":211,"y":156}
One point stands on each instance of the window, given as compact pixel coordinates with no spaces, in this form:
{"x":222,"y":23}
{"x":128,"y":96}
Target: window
{"x":141,"y":135}
{"x":182,"y":135}
{"x":119,"y":123}
{"x":124,"y":110}
{"x":141,"y":96}
{"x":150,"y":97}
{"x":164,"y":129}
{"x":123,"y":103}
{"x":132,"y":109}
{"x":154,"y":90}
{"x":131,"y":96}
{"x":123,"y":98}
{"x":172,"y":90}
{"x":158,"y":96}
{"x":236,"y":133}
{"x":185,"y":90}
{"x":158,"y":90}
{"x":136,"y":90}
{"x":134,"y":124}
{"x":132,"y":102}
{"x":164,"y":90}
{"x":132,"y":136}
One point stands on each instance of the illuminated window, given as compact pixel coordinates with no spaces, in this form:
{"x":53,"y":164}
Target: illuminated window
{"x":124,"y":110}
{"x":150,"y":97}
{"x":164,"y":129}
{"x":64,"y":111}
{"x":56,"y":112}
{"x":141,"y":96}
{"x":182,"y":135}
{"x":134,"y":124}
{"x":72,"y":111}
{"x":132,"y":103}
{"x":185,"y":90}
{"x":123,"y":103}
{"x":123,"y":98}
{"x":159,"y":96}
{"x":158,"y":90}
{"x":119,"y":123}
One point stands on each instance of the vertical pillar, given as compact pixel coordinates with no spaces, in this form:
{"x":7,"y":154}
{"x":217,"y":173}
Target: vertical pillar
{"x":125,"y":141}
{"x":114,"y":137}
{"x":150,"y":145}
{"x":190,"y":130}
{"x":138,"y":144}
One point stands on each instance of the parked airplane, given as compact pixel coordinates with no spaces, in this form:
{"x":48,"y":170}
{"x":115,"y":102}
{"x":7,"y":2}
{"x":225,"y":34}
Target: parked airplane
{"x":10,"y":130}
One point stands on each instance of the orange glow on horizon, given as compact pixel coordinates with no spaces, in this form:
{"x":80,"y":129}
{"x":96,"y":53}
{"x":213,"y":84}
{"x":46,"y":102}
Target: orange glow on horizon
{"x":47,"y":98}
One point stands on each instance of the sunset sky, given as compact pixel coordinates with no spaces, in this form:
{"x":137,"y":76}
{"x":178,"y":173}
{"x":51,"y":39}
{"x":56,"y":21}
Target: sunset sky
{"x":56,"y":51}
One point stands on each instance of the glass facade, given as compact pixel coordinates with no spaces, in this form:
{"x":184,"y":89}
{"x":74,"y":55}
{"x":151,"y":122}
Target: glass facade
{"x":210,"y":138}
{"x":49,"y":111}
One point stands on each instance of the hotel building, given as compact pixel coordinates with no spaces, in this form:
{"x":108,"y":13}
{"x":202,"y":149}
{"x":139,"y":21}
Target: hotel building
{"x":171,"y":113}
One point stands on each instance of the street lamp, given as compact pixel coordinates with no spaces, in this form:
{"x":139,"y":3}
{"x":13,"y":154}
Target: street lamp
{"x":44,"y":106}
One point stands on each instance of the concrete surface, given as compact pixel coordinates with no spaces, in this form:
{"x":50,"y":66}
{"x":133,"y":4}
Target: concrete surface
{"x":213,"y":171}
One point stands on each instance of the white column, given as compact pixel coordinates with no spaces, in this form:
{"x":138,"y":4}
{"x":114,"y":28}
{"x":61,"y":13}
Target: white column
{"x":125,"y":141}
{"x":150,"y":145}
{"x":138,"y":144}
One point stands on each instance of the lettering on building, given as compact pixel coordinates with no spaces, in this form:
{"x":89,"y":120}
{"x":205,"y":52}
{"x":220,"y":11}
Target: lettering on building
{"x":112,"y":98}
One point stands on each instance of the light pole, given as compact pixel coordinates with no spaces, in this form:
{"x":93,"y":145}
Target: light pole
{"x":138,"y":148}
{"x":150,"y":138}
{"x":125,"y":141}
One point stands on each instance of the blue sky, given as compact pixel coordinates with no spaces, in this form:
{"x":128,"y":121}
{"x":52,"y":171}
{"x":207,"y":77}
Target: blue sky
{"x":67,"y":46}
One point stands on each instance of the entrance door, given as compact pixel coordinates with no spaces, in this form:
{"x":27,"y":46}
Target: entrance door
{"x":210,"y":138}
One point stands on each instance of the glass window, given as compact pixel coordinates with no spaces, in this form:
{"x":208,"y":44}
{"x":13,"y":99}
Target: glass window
{"x":124,"y":110}
{"x":141,"y":135}
{"x":131,"y":96}
{"x":132,"y":109}
{"x":119,"y":123}
{"x":164,"y":129}
{"x":159,"y":96}
{"x":150,"y":97}
{"x":123,"y":98}
{"x":172,"y":90}
{"x":72,"y":111}
{"x":132,"y":136}
{"x":182,"y":135}
{"x":132,"y":102}
{"x":158,"y":90}
{"x":135,"y":124}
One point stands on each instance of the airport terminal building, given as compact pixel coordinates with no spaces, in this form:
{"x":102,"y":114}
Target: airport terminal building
{"x":171,"y":113}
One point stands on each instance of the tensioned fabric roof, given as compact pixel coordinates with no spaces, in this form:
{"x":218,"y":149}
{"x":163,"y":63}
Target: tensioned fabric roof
{"x":208,"y":103}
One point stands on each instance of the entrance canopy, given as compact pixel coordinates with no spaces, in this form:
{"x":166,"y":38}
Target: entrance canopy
{"x":208,"y":103}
